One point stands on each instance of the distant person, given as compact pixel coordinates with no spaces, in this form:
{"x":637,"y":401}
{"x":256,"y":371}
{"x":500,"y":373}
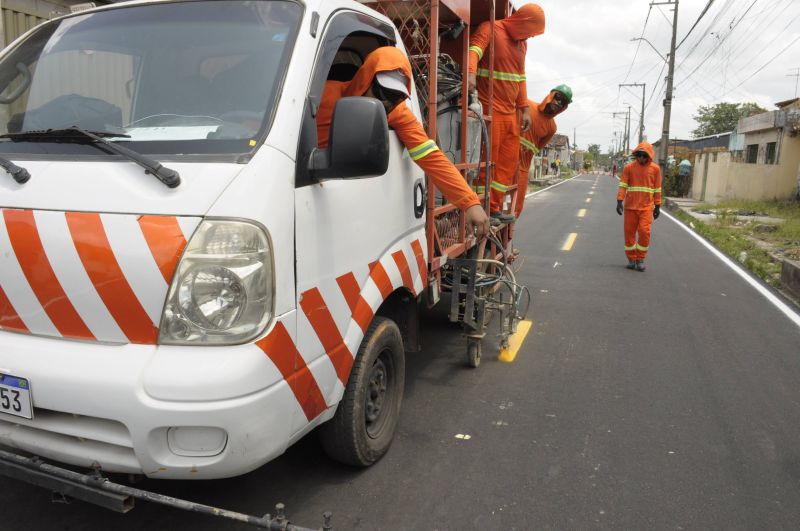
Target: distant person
{"x":543,"y":127}
{"x":640,"y":189}
{"x":614,"y":170}
{"x":386,"y":76}
{"x":509,"y":93}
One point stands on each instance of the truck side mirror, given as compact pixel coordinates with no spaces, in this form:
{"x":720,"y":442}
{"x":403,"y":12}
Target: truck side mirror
{"x":358,"y":142}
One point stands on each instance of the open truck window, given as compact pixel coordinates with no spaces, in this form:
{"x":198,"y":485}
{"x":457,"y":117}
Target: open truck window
{"x":191,"y":77}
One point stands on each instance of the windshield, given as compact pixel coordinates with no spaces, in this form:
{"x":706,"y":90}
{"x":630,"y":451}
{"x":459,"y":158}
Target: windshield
{"x":187,"y":77}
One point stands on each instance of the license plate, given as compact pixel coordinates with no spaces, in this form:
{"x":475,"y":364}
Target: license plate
{"x":15,"y":396}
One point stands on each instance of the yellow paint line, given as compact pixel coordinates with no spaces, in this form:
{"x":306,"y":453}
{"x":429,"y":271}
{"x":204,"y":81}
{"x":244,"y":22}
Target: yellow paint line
{"x":507,"y":355}
{"x":582,"y":213}
{"x":588,"y":199}
{"x":570,"y":241}
{"x":591,"y":193}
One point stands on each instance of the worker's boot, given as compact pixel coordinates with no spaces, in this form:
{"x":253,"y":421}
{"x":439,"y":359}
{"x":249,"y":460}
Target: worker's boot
{"x":503,"y":217}
{"x":631,"y":264}
{"x":640,"y":265}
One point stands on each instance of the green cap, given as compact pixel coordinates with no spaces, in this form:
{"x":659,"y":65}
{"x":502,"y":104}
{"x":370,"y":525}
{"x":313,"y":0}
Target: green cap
{"x":565,"y":90}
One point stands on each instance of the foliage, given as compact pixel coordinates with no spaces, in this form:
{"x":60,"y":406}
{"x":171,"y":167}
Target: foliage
{"x":674,"y":185}
{"x":722,"y":117}
{"x":594,"y":149}
{"x":739,"y":248}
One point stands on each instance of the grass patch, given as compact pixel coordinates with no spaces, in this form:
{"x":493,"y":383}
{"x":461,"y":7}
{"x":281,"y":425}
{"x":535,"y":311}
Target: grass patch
{"x":735,"y":243}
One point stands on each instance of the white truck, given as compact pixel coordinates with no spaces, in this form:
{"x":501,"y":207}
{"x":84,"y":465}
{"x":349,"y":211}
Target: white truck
{"x":188,"y":285}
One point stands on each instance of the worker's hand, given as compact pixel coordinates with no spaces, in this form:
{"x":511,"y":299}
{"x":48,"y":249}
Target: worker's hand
{"x":525,"y":124}
{"x":472,"y":82}
{"x":477,"y":222}
{"x":620,"y":208}
{"x":656,"y":211}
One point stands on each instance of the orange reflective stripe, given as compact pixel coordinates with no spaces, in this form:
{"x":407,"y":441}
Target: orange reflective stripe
{"x":280,"y":348}
{"x":166,"y":242}
{"x":101,"y":265}
{"x":9,"y":319}
{"x":423,"y":268}
{"x":362,"y":313}
{"x":323,"y":324}
{"x":381,"y":279}
{"x":43,"y":281}
{"x":405,"y":273}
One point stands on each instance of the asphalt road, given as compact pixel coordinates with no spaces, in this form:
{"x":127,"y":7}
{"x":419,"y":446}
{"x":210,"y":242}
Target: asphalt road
{"x":667,"y":399}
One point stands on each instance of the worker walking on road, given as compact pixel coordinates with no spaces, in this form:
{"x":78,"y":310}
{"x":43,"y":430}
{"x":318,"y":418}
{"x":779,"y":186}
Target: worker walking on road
{"x":509,"y":93}
{"x":386,"y":76}
{"x":543,"y":127}
{"x":640,"y":189}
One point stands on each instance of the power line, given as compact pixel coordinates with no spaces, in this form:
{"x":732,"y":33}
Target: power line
{"x":696,"y":22}
{"x":764,"y":65}
{"x":636,"y":53}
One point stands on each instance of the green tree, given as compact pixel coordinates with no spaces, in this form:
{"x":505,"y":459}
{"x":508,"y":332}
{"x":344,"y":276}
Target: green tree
{"x":594,"y":149}
{"x":722,"y":117}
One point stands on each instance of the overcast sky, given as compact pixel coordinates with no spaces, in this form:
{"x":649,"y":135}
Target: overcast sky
{"x":740,"y":51}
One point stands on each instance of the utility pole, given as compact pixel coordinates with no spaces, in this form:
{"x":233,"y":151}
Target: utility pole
{"x":641,"y":116}
{"x":622,"y":145}
{"x":628,"y":131}
{"x":796,"y":76}
{"x":663,"y":151}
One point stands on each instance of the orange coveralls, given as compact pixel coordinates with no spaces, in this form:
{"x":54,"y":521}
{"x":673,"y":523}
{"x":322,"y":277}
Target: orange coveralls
{"x":422,"y":149}
{"x":543,"y":127}
{"x":640,"y":187}
{"x":509,"y":89}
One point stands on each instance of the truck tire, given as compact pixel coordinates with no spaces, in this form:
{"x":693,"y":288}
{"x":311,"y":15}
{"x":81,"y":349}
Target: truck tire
{"x":362,"y":429}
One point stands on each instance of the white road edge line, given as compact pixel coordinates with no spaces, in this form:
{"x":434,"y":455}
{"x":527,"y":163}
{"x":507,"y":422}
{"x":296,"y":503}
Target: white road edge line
{"x":553,"y":186}
{"x":791,"y":314}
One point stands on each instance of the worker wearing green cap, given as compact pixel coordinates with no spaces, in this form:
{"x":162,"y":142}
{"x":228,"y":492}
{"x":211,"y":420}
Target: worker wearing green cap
{"x":543,"y":127}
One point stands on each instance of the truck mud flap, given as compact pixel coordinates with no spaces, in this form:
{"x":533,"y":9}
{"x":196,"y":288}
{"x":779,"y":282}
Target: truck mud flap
{"x":98,"y":490}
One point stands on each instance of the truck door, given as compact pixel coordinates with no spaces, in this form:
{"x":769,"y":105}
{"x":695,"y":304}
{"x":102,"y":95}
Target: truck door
{"x":345,"y":229}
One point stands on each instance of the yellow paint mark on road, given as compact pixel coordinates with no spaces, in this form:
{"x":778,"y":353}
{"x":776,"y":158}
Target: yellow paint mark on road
{"x":507,"y":355}
{"x":591,"y":193}
{"x":588,"y":199}
{"x":582,"y":213}
{"x":570,"y":241}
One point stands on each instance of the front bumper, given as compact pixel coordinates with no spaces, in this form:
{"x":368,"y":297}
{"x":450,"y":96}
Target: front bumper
{"x":117,"y":406}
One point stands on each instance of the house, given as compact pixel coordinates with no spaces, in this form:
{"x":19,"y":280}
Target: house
{"x":556,"y":150}
{"x":18,"y":16}
{"x":762,"y":161}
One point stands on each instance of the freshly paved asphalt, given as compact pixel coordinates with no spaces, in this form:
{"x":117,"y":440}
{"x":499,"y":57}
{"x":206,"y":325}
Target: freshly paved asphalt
{"x":667,"y":399}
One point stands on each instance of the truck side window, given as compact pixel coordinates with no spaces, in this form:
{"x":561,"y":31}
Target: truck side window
{"x":347,"y":39}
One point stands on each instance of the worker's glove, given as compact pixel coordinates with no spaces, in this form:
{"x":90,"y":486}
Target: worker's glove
{"x":656,"y":211}
{"x":619,"y":207}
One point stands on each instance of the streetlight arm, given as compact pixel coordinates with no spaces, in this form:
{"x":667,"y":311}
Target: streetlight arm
{"x":651,"y":46}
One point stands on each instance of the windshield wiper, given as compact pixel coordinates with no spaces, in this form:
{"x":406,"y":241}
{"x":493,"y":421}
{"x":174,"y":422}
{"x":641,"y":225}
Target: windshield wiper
{"x":167,"y":176}
{"x":19,"y":173}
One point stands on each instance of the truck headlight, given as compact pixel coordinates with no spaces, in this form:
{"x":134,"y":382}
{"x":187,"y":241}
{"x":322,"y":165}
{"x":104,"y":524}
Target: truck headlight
{"x":222,"y":291}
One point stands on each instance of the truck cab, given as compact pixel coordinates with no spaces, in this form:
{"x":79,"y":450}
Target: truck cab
{"x":188,"y":283}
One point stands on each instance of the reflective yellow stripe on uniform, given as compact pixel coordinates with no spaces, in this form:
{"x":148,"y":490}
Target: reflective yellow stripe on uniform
{"x":426,"y":148}
{"x":623,"y":185}
{"x":502,"y":76}
{"x":631,"y":248}
{"x":643,"y":189}
{"x":478,"y":50}
{"x":479,"y":189}
{"x":641,"y":247}
{"x":499,"y":187}
{"x":529,"y":145}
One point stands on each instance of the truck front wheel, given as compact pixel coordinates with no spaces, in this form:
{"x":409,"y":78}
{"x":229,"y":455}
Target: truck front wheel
{"x":362,"y":429}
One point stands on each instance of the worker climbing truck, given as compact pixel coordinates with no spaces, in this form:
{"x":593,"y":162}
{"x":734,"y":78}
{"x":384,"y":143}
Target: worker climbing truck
{"x":188,"y":283}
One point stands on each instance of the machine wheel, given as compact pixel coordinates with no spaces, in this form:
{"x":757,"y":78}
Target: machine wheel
{"x":473,"y":353}
{"x":362,"y":429}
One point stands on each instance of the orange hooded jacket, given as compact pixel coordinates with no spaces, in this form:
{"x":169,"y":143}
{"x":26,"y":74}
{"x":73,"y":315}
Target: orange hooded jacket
{"x":640,"y":184}
{"x":543,"y":127}
{"x":510,"y":35}
{"x":422,"y":149}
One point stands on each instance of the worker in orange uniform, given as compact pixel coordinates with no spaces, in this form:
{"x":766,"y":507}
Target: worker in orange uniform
{"x":509,"y":92}
{"x":386,"y":76}
{"x":543,"y":127}
{"x":640,"y":189}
